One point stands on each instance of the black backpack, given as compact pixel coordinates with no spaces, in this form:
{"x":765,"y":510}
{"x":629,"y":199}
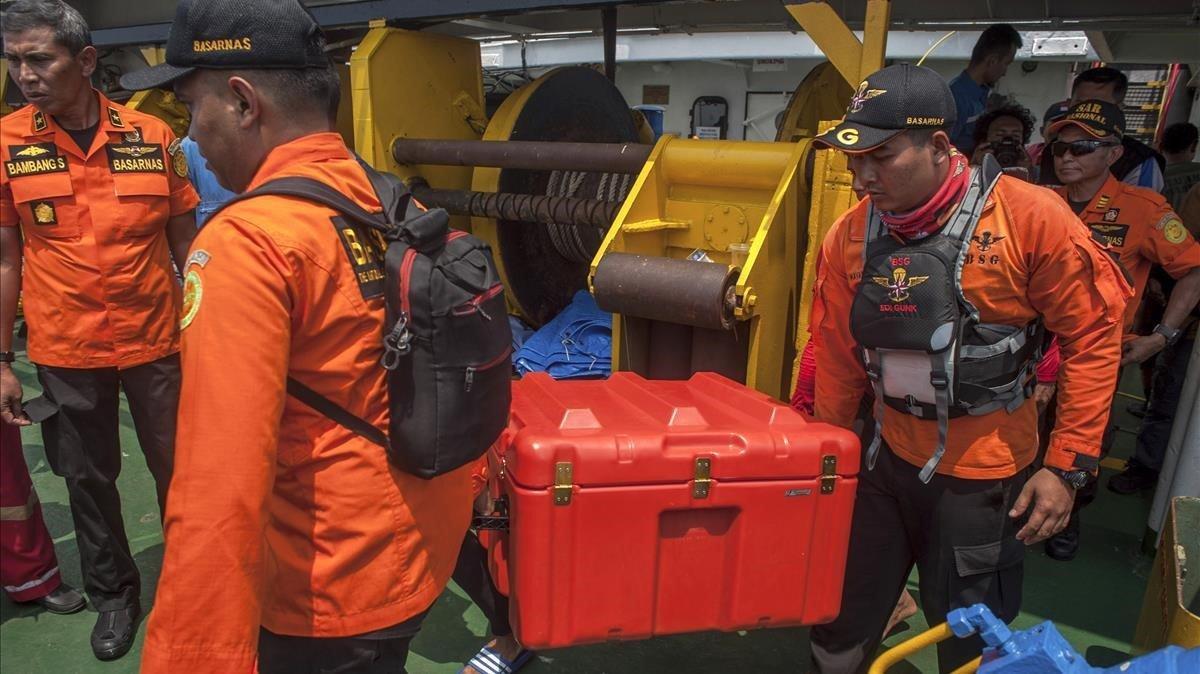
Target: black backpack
{"x":447,"y":341}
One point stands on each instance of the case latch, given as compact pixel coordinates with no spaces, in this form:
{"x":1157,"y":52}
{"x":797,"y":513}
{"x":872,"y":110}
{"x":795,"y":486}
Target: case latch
{"x":829,"y":476}
{"x":701,"y":477}
{"x":563,"y":483}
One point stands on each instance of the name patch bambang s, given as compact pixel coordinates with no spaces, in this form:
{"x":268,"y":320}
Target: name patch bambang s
{"x":34,"y":160}
{"x":136,"y":158}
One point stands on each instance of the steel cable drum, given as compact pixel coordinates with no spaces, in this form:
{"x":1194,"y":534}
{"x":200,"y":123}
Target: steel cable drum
{"x":545,"y":264}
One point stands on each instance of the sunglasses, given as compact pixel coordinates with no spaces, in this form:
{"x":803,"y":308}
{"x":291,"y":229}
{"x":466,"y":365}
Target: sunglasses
{"x":1078,"y":148}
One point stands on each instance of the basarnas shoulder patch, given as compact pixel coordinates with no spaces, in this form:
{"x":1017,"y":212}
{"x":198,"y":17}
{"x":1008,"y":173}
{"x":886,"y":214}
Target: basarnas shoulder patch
{"x":1173,"y":230}
{"x":193,"y":292}
{"x":179,"y":161}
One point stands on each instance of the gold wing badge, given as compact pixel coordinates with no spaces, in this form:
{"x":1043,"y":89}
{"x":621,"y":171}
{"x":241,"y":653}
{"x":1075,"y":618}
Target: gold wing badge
{"x":900,"y":283}
{"x":134,"y":151}
{"x":33,"y":151}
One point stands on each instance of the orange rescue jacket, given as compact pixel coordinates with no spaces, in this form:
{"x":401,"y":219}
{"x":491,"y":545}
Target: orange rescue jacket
{"x":277,"y":516}
{"x":1030,"y":256}
{"x":1140,"y":226}
{"x":98,"y":285}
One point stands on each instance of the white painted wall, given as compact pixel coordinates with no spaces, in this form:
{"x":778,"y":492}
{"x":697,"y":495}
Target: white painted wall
{"x":689,"y":80}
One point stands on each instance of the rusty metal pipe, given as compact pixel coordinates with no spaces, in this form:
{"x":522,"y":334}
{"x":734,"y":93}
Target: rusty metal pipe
{"x":518,"y":154}
{"x":521,"y":207}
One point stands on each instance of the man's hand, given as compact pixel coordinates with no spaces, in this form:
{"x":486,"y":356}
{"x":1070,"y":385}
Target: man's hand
{"x":1042,"y":395}
{"x":1051,"y":499}
{"x":1140,"y":349}
{"x":10,"y":398}
{"x":981,"y":150}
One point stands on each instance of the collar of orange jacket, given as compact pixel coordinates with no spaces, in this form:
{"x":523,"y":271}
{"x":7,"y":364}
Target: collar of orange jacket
{"x":317,"y":147}
{"x":1102,"y":200}
{"x":111,"y":120}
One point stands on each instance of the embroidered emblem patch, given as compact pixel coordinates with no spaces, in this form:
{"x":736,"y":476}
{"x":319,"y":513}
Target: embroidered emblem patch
{"x":43,"y":213}
{"x":986,"y":241}
{"x":179,"y":162}
{"x":900,"y":283}
{"x":863,"y":95}
{"x":193,"y":292}
{"x":1174,"y":231}
{"x":1112,"y":214}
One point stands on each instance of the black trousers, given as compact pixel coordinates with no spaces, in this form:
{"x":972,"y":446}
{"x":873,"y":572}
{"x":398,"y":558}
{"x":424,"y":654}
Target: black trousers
{"x":472,"y":574}
{"x":955,"y":531}
{"x":82,"y":441}
{"x":381,"y":652}
{"x":1169,"y":370}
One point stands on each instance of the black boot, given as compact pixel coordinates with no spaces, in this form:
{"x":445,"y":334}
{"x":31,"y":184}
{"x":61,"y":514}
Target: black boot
{"x":63,"y":600}
{"x":114,"y":632}
{"x":1063,"y":545}
{"x":1135,"y":478}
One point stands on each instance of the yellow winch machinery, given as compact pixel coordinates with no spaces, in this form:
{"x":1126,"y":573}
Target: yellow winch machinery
{"x":702,"y":249}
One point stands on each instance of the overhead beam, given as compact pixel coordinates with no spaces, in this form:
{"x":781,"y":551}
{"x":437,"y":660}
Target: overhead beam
{"x":365,"y":11}
{"x":497,"y":26}
{"x":1099,"y":42}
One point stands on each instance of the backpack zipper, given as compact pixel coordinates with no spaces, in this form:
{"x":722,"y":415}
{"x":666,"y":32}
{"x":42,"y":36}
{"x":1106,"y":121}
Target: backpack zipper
{"x":476,"y":303}
{"x":472,"y":369}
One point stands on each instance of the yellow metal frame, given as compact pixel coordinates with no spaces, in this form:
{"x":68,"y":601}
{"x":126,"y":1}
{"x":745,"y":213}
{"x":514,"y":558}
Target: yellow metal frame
{"x":929,"y":637}
{"x":4,"y":109}
{"x":1165,"y":618}
{"x":487,"y":179}
{"x":679,"y":204}
{"x":410,"y":84}
{"x":853,"y":58}
{"x":163,"y":105}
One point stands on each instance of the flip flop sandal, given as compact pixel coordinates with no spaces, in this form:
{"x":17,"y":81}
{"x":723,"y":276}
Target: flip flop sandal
{"x":489,"y":661}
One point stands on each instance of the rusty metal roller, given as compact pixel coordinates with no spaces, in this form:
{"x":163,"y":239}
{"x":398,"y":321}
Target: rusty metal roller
{"x":699,"y":294}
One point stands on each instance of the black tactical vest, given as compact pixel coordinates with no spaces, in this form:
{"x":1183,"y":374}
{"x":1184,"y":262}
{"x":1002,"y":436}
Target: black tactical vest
{"x":927,"y":353}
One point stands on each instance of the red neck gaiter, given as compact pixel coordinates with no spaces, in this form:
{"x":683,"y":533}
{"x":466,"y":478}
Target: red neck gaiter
{"x":925,"y":220}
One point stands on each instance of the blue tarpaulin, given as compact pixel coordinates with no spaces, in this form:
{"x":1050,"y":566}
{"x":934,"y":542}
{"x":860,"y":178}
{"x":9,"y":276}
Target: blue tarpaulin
{"x":576,"y":344}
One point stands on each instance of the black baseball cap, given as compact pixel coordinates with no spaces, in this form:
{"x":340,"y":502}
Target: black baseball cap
{"x":227,"y":34}
{"x":1055,"y":112}
{"x":890,"y":101}
{"x":1100,"y":119}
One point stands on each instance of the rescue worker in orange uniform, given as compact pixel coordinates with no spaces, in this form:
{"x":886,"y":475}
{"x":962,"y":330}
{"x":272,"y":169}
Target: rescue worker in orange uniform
{"x":290,"y":540}
{"x":94,"y":203}
{"x":936,"y":290}
{"x":1139,"y":226}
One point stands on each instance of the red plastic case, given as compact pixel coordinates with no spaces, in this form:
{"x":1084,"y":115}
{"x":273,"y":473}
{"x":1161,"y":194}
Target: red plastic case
{"x":641,"y":508}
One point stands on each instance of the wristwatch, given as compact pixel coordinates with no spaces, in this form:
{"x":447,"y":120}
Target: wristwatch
{"x":7,"y":356}
{"x":1075,"y":479}
{"x":1171,"y":334}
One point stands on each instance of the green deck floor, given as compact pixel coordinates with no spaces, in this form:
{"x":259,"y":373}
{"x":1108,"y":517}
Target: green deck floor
{"x":1094,"y":600}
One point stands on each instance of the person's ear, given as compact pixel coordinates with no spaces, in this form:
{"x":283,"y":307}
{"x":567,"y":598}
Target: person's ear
{"x":86,"y":58}
{"x":941,"y":145}
{"x":247,"y":100}
{"x":1115,"y":153}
